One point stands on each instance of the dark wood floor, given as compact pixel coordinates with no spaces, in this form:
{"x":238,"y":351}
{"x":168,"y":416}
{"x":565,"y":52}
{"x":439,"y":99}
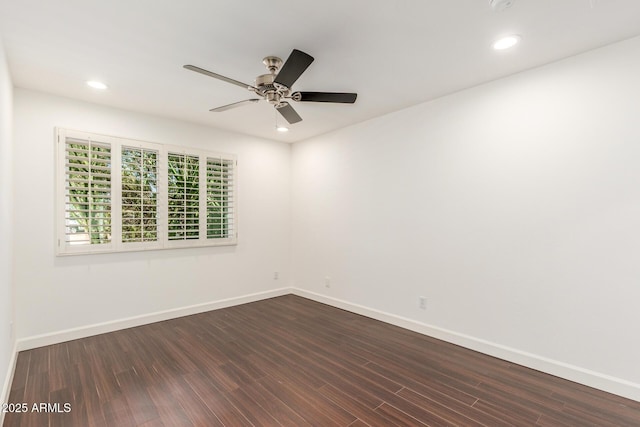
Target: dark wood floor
{"x":292,"y":362}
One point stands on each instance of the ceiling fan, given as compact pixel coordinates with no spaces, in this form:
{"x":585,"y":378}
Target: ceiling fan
{"x":275,"y":87}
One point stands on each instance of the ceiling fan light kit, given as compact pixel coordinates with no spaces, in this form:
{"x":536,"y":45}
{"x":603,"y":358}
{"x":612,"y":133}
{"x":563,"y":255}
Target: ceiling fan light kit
{"x":275,"y":87}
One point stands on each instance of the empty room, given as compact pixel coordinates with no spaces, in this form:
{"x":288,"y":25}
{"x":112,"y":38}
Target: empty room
{"x":304,"y":213}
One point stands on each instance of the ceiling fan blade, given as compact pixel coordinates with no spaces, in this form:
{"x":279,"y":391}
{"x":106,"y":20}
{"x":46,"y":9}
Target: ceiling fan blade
{"x":293,"y":67}
{"x":234,"y":105}
{"x":287,"y":111}
{"x":217,"y":76}
{"x":339,"y":97}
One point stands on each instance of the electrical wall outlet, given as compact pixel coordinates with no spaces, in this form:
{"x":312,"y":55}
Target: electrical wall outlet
{"x":422,"y":302}
{"x":327,"y":282}
{"x":276,"y":275}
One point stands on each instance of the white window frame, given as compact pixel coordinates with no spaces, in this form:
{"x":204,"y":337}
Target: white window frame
{"x":116,"y":244}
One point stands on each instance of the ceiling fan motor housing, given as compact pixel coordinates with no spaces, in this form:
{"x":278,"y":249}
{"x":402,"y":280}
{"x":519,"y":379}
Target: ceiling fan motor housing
{"x":272,"y":93}
{"x":264,"y":83}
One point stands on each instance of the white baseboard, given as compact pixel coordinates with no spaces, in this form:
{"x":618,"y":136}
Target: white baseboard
{"x":130,"y":322}
{"x":573,"y":373}
{"x":6,"y":388}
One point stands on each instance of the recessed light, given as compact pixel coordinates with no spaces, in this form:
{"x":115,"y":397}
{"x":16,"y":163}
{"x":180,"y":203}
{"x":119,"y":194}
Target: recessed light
{"x":282,"y":129}
{"x":506,"y":42}
{"x":97,"y":85}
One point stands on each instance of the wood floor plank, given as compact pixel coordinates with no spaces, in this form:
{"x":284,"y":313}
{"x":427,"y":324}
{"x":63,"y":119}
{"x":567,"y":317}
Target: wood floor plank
{"x":355,"y":390}
{"x":118,"y":413}
{"x":215,"y":399}
{"x":153,"y":423}
{"x":520,"y":399}
{"x":314,"y":412}
{"x":354,"y":406}
{"x":255,"y":413}
{"x":61,"y":417}
{"x":454,"y":414}
{"x":621,"y":412}
{"x":278,"y":409}
{"x":289,"y":361}
{"x":399,"y":418}
{"x":136,"y":396}
{"x":503,"y":411}
{"x":425,"y":384}
{"x":170,"y":411}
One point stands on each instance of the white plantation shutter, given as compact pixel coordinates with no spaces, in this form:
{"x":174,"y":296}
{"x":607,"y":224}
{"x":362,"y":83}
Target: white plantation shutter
{"x":87,"y":192}
{"x":220,"y":198}
{"x":117,"y":194}
{"x":183,"y":218}
{"x":139,"y":177}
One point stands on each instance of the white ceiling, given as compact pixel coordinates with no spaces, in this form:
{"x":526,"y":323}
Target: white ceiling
{"x":393,"y":53}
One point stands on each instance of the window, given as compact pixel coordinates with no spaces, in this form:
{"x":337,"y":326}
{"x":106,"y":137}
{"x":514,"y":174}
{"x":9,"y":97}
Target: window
{"x":117,"y":195}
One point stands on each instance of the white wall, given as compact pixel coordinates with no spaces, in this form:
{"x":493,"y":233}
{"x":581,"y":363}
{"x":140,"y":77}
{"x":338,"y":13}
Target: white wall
{"x":54,"y":294}
{"x":6,"y":210}
{"x":514,"y":207}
